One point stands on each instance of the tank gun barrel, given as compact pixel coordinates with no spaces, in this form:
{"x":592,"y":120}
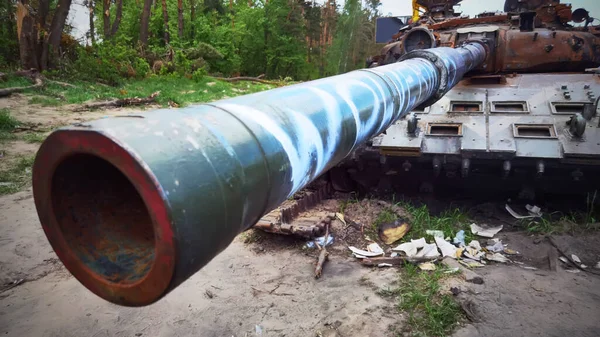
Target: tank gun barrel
{"x":135,"y":205}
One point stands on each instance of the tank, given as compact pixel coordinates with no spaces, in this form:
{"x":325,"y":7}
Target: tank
{"x":526,"y":117}
{"x":134,"y":205}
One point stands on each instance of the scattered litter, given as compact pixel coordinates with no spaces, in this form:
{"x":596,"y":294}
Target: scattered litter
{"x":496,"y":257}
{"x":363,"y":253}
{"x":475,"y":245}
{"x":435,"y":233}
{"x":497,"y":247}
{"x":575,"y":258}
{"x":574,"y":271}
{"x":509,"y":251}
{"x":474,"y":257}
{"x":410,"y":248}
{"x":459,"y":252}
{"x":393,"y":231}
{"x":429,"y":251}
{"x":359,"y":256}
{"x":529,"y":268}
{"x":257,"y":328}
{"x":427,"y":266}
{"x":485,"y":232}
{"x":583,"y":266}
{"x":452,"y":270}
{"x":393,"y":254}
{"x":320,"y":241}
{"x":534,"y":212}
{"x":446,"y":247}
{"x":375,"y":248}
{"x":340,"y":217}
{"x":564,"y":259}
{"x":459,"y":239}
{"x":382,"y":265}
{"x":471,"y":263}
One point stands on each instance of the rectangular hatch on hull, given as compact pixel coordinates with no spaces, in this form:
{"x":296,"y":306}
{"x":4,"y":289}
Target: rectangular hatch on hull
{"x":466,"y":106}
{"x":444,"y":129}
{"x":543,"y":131}
{"x":509,"y":107}
{"x":567,"y":108}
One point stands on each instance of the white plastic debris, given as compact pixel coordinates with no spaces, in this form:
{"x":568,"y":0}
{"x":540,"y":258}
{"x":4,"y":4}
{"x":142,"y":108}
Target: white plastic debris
{"x":497,"y":257}
{"x":496,"y":248}
{"x":429,"y":251}
{"x":534,"y":212}
{"x":321,"y":241}
{"x":574,"y":271}
{"x":359,"y":256}
{"x":583,"y":266}
{"x":258,"y":329}
{"x":475,"y":245}
{"x":446,"y":247}
{"x":452,"y":270}
{"x":383,"y":265}
{"x":575,"y":258}
{"x":364,"y":253}
{"x":459,"y":239}
{"x":435,"y":233}
{"x":427,"y":266}
{"x":471,"y":263}
{"x":393,"y":254}
{"x":410,"y":248}
{"x":565,"y":260}
{"x":529,"y":268}
{"x":485,"y":232}
{"x":375,"y":248}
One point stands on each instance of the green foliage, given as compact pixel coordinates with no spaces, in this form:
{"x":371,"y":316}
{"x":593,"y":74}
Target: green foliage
{"x":7,"y":124}
{"x":16,"y":176}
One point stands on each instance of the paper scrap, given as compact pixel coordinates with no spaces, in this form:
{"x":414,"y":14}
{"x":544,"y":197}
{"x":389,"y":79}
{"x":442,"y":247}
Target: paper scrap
{"x":497,"y":257}
{"x":435,"y":233}
{"x":564,"y":259}
{"x":497,"y":247}
{"x":475,"y":245}
{"x":427,"y":266}
{"x":534,"y":212}
{"x":410,"y":248}
{"x":485,"y":232}
{"x":471,"y":263}
{"x":364,"y":252}
{"x":446,"y":247}
{"x":375,"y":248}
{"x":381,"y":265}
{"x":340,"y":217}
{"x":575,"y":258}
{"x":428,"y":251}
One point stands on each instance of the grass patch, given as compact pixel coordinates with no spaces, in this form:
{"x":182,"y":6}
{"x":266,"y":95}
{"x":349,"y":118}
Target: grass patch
{"x":450,"y":222}
{"x":575,"y":222}
{"x":34,"y":137}
{"x":176,"y":89}
{"x":7,"y":124}
{"x":430,"y":313}
{"x":17,"y":176}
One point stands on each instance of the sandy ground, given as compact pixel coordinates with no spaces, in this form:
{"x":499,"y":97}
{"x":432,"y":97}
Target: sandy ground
{"x":260,"y":289}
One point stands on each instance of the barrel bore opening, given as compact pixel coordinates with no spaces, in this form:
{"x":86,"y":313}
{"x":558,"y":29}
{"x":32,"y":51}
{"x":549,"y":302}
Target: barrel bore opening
{"x":103,"y":219}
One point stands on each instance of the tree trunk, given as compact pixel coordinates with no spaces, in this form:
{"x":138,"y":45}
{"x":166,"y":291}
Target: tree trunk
{"x":27,"y":34}
{"x":118,"y":15}
{"x":145,"y":22}
{"x":106,"y":17}
{"x":166,"y":21}
{"x":92,"y":29}
{"x":180,"y":18}
{"x":192,"y":17}
{"x":56,"y":28}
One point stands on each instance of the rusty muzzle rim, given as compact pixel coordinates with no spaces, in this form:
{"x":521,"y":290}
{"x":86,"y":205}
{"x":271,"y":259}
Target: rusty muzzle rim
{"x":105,"y":217}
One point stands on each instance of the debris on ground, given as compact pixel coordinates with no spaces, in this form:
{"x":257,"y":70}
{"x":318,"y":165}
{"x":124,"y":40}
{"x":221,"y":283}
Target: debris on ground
{"x":410,"y":248}
{"x":320,"y":241}
{"x":359,"y":253}
{"x":446,"y":247}
{"x":575,"y":258}
{"x":459,"y":239}
{"x":375,"y":248}
{"x":485,"y":232}
{"x":435,"y":233}
{"x":428,"y":266}
{"x":394,"y":231}
{"x":468,"y":274}
{"x":323,"y":255}
{"x":534,"y":212}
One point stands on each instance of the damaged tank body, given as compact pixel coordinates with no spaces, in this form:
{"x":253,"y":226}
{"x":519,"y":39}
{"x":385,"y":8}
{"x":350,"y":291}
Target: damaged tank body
{"x":527,"y":115}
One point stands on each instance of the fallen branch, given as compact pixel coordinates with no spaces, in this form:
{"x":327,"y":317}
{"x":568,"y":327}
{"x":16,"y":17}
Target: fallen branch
{"x":308,"y":232}
{"x":37,"y":82}
{"x":64,"y":84}
{"x":250,"y":79}
{"x":323,"y":255}
{"x":120,"y":102}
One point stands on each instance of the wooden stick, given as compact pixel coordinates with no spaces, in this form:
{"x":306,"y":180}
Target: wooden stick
{"x":308,"y":232}
{"x":120,"y":102}
{"x":251,"y":79}
{"x":323,"y":255}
